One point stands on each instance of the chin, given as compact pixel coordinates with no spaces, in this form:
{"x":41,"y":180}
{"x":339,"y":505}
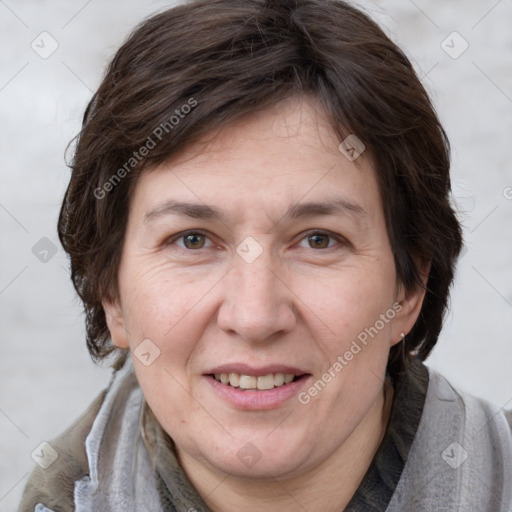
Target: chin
{"x":260,"y":460}
{"x":262,"y":469}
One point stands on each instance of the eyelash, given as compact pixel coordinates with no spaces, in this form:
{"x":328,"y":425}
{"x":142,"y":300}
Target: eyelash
{"x":341,"y":240}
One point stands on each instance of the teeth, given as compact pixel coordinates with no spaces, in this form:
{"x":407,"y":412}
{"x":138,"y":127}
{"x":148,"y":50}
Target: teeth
{"x":288,"y":378}
{"x":247,"y":382}
{"x":265,"y":382}
{"x":262,"y":382}
{"x":278,"y":379}
{"x":234,"y":379}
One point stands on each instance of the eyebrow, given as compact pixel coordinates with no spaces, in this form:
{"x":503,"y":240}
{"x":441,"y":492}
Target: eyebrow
{"x":336,"y":206}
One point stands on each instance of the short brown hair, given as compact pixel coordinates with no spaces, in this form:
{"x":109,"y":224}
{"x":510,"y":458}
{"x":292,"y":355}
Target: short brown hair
{"x":227,"y":58}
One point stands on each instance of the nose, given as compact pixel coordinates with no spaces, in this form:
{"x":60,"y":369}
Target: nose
{"x":257,"y":304}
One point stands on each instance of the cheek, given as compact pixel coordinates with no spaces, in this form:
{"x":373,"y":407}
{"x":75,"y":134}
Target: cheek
{"x":158,"y":298}
{"x":165,"y":307}
{"x":348,"y":302}
{"x":168,"y":311}
{"x":354,"y":340}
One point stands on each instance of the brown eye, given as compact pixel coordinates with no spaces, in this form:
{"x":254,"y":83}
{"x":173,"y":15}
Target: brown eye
{"x":319,"y":241}
{"x":194,"y":241}
{"x":324,"y":241}
{"x":190,"y":241}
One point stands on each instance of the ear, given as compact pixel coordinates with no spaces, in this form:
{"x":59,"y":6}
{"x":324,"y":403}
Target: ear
{"x":408,"y":307}
{"x":115,"y":323}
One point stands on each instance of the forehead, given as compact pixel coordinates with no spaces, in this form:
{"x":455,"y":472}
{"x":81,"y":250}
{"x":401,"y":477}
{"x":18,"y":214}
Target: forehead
{"x":264,"y":162}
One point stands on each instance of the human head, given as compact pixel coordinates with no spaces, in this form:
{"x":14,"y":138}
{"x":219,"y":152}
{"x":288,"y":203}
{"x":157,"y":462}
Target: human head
{"x":205,"y":64}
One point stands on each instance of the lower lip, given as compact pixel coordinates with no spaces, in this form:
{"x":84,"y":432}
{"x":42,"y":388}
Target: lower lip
{"x":258,"y":400}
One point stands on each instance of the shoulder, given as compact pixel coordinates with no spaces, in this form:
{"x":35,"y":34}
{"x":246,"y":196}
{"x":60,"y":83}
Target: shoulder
{"x":462,"y":442}
{"x":54,"y":486}
{"x":472,"y":435}
{"x":472,"y":410}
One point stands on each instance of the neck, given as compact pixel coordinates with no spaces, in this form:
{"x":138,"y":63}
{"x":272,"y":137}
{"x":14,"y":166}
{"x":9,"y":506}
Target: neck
{"x":328,"y":487}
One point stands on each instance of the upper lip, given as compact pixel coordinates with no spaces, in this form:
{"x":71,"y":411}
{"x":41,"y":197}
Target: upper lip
{"x":245,"y":369}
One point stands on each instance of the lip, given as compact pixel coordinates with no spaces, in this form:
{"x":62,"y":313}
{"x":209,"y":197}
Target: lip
{"x":258,"y":400}
{"x":245,"y":369}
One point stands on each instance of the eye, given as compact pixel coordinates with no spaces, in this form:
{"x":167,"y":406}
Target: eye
{"x":321,"y":240}
{"x":196,"y":240}
{"x":191,"y":240}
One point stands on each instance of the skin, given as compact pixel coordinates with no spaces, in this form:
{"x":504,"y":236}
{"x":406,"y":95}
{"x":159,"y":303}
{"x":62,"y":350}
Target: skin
{"x":301,"y":302}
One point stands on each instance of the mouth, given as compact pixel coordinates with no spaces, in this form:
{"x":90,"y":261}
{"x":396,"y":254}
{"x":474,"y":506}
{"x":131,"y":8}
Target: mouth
{"x":256,"y":382}
{"x":256,"y":389}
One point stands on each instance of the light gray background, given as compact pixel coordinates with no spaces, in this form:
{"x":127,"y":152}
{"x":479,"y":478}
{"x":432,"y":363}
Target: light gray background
{"x":46,"y":376}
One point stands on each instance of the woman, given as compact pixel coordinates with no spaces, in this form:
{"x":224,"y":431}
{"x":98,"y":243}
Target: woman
{"x":260,"y":229}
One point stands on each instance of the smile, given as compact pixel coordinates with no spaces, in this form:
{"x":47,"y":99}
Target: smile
{"x":252,"y":382}
{"x":257,"y":392}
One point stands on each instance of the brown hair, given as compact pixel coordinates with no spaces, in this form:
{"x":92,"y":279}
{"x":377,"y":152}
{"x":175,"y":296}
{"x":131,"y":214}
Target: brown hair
{"x":226,"y":58}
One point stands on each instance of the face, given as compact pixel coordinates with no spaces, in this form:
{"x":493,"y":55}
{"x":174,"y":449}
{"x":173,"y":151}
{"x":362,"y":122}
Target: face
{"x":255,"y":257}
